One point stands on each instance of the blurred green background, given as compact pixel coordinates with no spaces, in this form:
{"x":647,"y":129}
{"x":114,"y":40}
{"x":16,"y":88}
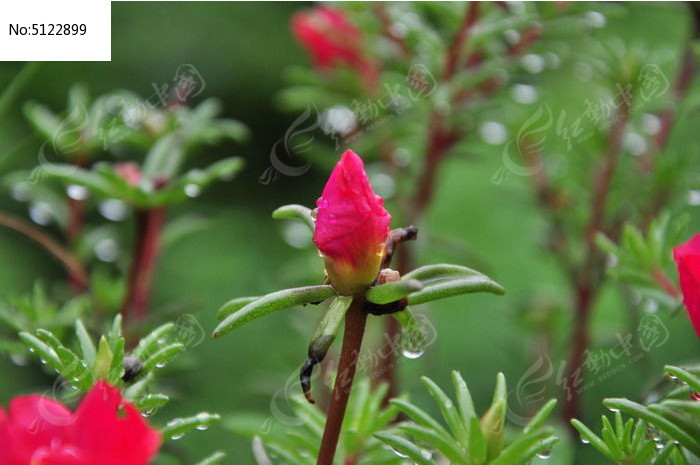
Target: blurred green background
{"x":242,"y":51}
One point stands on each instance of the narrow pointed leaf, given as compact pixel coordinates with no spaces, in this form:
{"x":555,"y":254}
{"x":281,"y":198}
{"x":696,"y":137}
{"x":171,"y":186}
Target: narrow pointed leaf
{"x":234,"y":305}
{"x":295,"y":212}
{"x":162,"y":356}
{"x":272,"y":303}
{"x":42,"y":350}
{"x":447,"y":446}
{"x":103,"y":360}
{"x":179,"y":426}
{"x":465,"y":404}
{"x":87,"y":348}
{"x":668,"y":427}
{"x":525,"y":447}
{"x":151,"y":402}
{"x":429,"y":273}
{"x":391,"y":292}
{"x":418,"y":415}
{"x":150,"y":344}
{"x":687,"y":377}
{"x":405,"y":447}
{"x":213,"y":459}
{"x":448,"y":410}
{"x":442,"y":290}
{"x":540,"y":417}
{"x":477,"y":442}
{"x":117,"y":367}
{"x":591,"y":437}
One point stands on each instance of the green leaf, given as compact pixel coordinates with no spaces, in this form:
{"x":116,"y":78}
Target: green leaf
{"x":152,"y":341}
{"x":478,"y":446}
{"x":71,"y":174}
{"x":684,"y":375}
{"x":664,"y":454}
{"x":668,"y":427}
{"x":465,"y":404}
{"x":328,"y":327}
{"x":448,"y":410}
{"x":165,"y":158}
{"x":115,"y":332}
{"x":103,"y":360}
{"x":295,"y":212}
{"x":42,"y":350}
{"x":593,"y":439}
{"x":213,"y":459}
{"x":87,"y":348}
{"x":176,"y":428}
{"x":116,"y":368}
{"x":493,"y":425}
{"x":391,"y":292}
{"x":418,"y":415}
{"x":234,"y":305}
{"x":540,"y":417}
{"x":271,"y":303}
{"x":162,"y":356}
{"x":610,"y":439}
{"x":151,"y":401}
{"x":404,"y":447}
{"x":440,"y":271}
{"x":446,"y":445}
{"x":442,"y":290}
{"x":525,"y":447}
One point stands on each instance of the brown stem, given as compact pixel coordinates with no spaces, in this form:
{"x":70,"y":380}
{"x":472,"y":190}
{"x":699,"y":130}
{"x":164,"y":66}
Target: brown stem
{"x":587,"y":279}
{"x":68,"y":260}
{"x":149,"y":224}
{"x":355,"y":320}
{"x":76,"y":213}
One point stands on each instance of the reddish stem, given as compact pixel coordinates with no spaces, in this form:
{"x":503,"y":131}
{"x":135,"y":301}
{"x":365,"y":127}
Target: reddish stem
{"x":149,"y":224}
{"x":665,"y":283}
{"x":76,"y":213}
{"x":355,"y":320}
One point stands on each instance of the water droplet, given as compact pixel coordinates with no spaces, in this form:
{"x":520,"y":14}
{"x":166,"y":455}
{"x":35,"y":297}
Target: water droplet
{"x":659,"y":445}
{"x":585,"y":441}
{"x":427,"y":455}
{"x":19,"y":359}
{"x":43,"y":362}
{"x":412,"y":354}
{"x":398,"y":29}
{"x":192,"y":190}
{"x":523,"y":93}
{"x":107,"y":250}
{"x":552,"y":59}
{"x":175,"y":437}
{"x":203,"y":427}
{"x":512,"y":36}
{"x":545,"y":454}
{"x":694,"y":197}
{"x":635,"y":143}
{"x":613,"y":409}
{"x":296,"y":234}
{"x":31,"y":349}
{"x":532,"y":63}
{"x":113,"y":209}
{"x":651,"y":123}
{"x":40,"y":213}
{"x":399,"y":454}
{"x":160,"y":365}
{"x":20,"y":192}
{"x":650,"y":306}
{"x":77,"y":192}
{"x":595,"y":19}
{"x":383,"y":185}
{"x":493,"y":133}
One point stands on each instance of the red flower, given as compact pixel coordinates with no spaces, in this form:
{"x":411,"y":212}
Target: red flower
{"x":687,"y":258}
{"x":351,"y":226}
{"x":332,"y":40}
{"x":104,"y":430}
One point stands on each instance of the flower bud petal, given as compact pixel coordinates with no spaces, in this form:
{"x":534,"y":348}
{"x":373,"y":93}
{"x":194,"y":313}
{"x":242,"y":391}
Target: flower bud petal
{"x":687,"y":257}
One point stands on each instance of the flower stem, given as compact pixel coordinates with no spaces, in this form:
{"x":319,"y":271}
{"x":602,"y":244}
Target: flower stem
{"x":355,"y":320}
{"x":149,"y":224}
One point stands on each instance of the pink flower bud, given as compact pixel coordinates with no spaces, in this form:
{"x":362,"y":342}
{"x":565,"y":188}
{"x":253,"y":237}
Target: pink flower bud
{"x":687,"y":258}
{"x":130,"y":172}
{"x":332,"y":40}
{"x":351,"y":226}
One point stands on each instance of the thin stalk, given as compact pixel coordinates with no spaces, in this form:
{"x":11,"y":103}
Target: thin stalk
{"x":149,"y":225}
{"x":355,"y":320}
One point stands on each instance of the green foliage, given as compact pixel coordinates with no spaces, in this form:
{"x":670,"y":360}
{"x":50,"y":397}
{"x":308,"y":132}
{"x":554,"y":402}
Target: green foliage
{"x":467,"y":439}
{"x":667,"y":432}
{"x":296,"y":440}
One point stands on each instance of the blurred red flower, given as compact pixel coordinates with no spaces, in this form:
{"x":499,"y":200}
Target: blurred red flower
{"x":332,"y":40}
{"x":351,"y":226}
{"x":104,"y":430}
{"x":687,"y":258}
